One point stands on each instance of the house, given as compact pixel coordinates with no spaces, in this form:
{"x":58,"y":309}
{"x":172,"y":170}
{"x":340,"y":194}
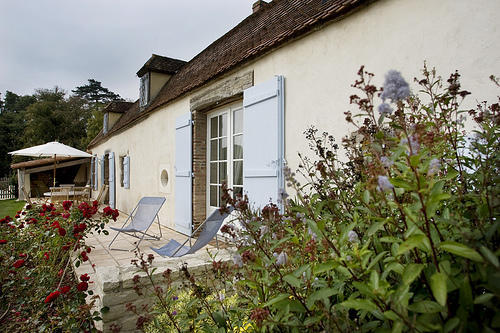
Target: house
{"x":237,"y":111}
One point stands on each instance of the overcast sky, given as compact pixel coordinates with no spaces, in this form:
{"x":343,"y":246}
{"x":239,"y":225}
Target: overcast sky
{"x":44,"y":43}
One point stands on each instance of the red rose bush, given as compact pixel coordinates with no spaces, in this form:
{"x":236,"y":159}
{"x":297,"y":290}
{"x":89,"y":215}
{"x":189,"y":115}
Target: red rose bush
{"x":37,"y":252}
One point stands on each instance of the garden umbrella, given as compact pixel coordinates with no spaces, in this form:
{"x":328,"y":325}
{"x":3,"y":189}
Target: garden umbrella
{"x":51,"y":149}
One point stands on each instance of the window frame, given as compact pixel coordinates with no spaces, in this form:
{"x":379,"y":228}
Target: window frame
{"x":230,"y":135}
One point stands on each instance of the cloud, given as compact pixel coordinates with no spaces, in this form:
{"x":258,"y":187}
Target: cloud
{"x":66,"y":42}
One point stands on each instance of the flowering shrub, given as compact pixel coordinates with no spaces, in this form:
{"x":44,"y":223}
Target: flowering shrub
{"x":402,"y":235}
{"x":38,"y":290}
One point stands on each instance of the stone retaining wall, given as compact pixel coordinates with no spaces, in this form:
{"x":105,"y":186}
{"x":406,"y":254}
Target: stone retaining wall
{"x":114,"y":286}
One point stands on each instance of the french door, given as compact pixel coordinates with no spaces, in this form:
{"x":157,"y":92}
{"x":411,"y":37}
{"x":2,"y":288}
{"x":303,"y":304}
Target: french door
{"x":224,"y":153}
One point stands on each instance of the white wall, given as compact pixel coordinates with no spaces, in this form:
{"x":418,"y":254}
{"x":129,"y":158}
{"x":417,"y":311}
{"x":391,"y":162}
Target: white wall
{"x":150,"y":145}
{"x":389,"y":34}
{"x":319,"y":69}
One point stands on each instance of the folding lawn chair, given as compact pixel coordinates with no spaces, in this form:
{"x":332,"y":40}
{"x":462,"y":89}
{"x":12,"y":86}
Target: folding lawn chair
{"x":145,"y":213}
{"x":209,"y":229}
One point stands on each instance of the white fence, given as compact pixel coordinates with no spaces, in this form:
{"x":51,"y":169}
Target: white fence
{"x":6,"y":191}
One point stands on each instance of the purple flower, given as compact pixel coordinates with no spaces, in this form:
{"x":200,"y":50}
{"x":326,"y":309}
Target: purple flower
{"x":174,"y":313}
{"x":312,"y":233}
{"x":414,"y":146}
{"x":384,"y":184}
{"x":434,"y":166}
{"x":175,"y":298}
{"x":395,"y":87}
{"x":237,"y":260}
{"x":281,"y":259}
{"x":386,"y":161}
{"x":353,"y":236}
{"x":385,"y":109}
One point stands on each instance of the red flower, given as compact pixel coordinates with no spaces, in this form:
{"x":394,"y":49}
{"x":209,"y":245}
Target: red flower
{"x":22,"y":255}
{"x":60,"y":273}
{"x":82,"y":286}
{"x":3,"y":241}
{"x":42,"y":214}
{"x":62,"y":232}
{"x":65,"y":289}
{"x":84,"y":277}
{"x":65,"y":215}
{"x":17,"y":216}
{"x":28,"y":206}
{"x":67,"y":204}
{"x":55,"y":224}
{"x":46,"y":255}
{"x":18,"y":263}
{"x":84,"y":256}
{"x":52,"y":296}
{"x":88,"y":249}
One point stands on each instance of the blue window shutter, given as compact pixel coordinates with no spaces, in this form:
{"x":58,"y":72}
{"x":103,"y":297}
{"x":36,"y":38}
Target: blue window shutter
{"x":183,"y":174}
{"x":95,"y":174}
{"x":92,"y":172}
{"x":263,"y":147}
{"x":103,"y":173}
{"x":126,"y":172}
{"x":112,"y":203}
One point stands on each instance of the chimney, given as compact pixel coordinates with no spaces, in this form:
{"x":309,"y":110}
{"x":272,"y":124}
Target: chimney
{"x":258,"y":5}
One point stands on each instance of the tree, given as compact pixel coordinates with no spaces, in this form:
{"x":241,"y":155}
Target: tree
{"x":55,"y":117}
{"x":12,"y":125}
{"x":97,"y":97}
{"x":95,"y":93}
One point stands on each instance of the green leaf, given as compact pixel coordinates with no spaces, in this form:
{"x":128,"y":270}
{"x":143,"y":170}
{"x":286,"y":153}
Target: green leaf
{"x":292,"y":280}
{"x":312,"y":320}
{"x":278,"y":298}
{"x":363,"y":288}
{"x":425,"y":307}
{"x":375,"y":227}
{"x":451,"y":324}
{"x":391,"y":315}
{"x":484,"y":298}
{"x":359,"y":304}
{"x":401,"y":182}
{"x":319,"y":295}
{"x":326,"y":266}
{"x":461,"y":250}
{"x":410,"y":243}
{"x":438,"y":287}
{"x":105,"y":309}
{"x":490,"y":256}
{"x":411,"y":272}
{"x":376,"y":260}
{"x":219,"y":319}
{"x":366,"y":197}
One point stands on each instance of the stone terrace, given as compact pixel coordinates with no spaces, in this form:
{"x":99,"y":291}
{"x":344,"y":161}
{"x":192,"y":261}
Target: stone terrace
{"x":111,"y":271}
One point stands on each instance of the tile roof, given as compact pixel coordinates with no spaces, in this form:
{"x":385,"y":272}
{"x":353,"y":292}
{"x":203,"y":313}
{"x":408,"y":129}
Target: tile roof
{"x":158,"y":63}
{"x":275,"y":24}
{"x":117,"y":107}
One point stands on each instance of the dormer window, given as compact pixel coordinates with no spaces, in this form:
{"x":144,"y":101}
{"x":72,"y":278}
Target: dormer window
{"x":144,"y":90}
{"x":153,"y":75}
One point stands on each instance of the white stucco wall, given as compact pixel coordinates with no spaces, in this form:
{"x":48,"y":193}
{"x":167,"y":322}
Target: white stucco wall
{"x":319,"y":69}
{"x":389,"y":34}
{"x":151,"y":146}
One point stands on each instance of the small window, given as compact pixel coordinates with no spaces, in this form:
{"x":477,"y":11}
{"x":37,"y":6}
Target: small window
{"x":144,"y":91}
{"x":105,"y":123}
{"x":122,"y":170}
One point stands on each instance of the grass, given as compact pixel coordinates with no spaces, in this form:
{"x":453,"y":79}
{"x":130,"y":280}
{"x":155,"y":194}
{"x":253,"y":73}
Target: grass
{"x":10,"y":207}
